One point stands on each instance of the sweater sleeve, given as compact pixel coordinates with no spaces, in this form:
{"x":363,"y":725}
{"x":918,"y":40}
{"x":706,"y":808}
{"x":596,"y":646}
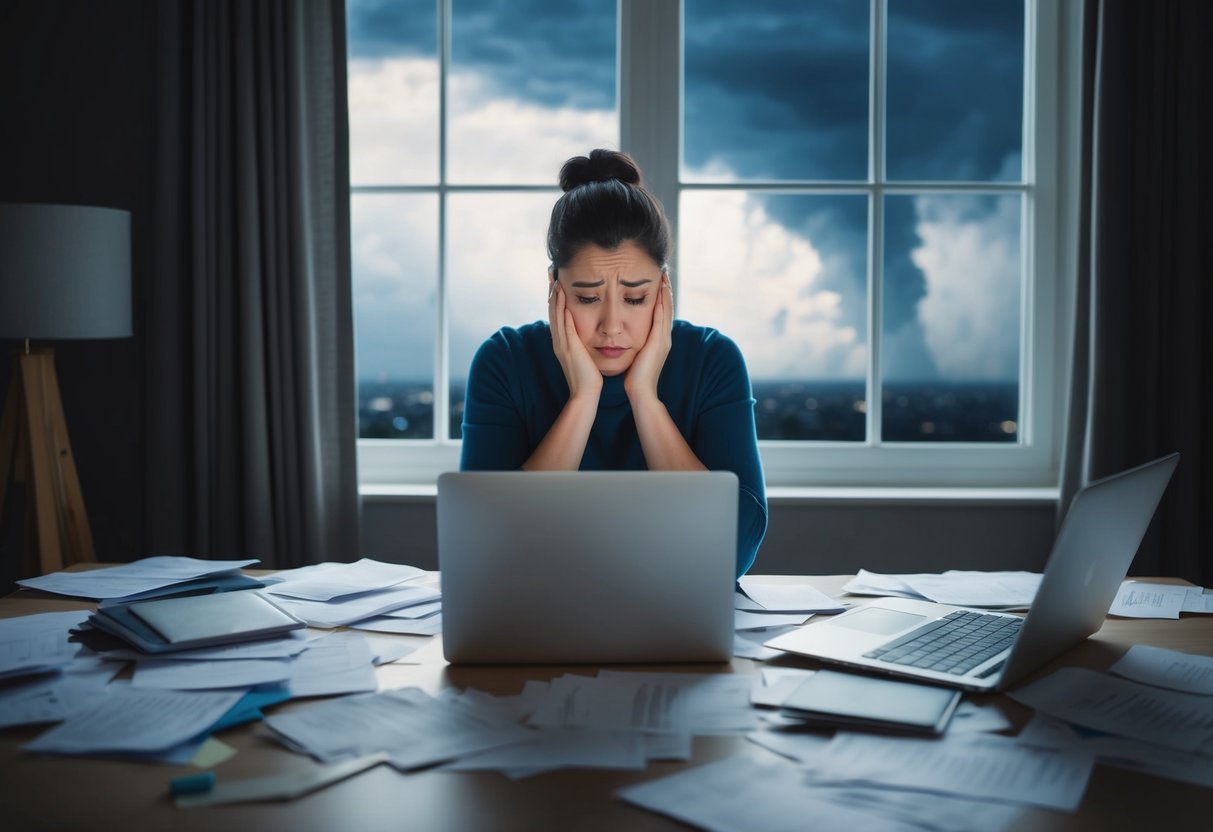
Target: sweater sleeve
{"x":494,"y":432}
{"x":725,"y":438}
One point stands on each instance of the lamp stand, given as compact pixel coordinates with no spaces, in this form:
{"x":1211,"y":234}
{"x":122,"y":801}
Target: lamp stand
{"x":34,"y":449}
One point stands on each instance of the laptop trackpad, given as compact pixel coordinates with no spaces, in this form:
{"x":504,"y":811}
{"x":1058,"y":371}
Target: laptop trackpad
{"x":880,"y":621}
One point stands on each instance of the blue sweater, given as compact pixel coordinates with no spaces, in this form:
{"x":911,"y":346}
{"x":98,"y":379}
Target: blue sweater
{"x":516,"y":390}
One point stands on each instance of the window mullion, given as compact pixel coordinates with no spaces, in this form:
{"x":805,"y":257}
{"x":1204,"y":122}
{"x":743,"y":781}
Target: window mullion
{"x":650,"y":95}
{"x":442,"y":384}
{"x":876,"y":172}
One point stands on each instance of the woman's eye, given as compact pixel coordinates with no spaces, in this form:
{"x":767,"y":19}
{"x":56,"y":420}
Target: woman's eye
{"x":636,"y":301}
{"x":587,"y":299}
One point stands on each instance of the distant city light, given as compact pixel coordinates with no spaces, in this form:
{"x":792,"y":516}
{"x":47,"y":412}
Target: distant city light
{"x":927,"y":428}
{"x":400,"y":423}
{"x":1009,"y":426}
{"x":380,"y":404}
{"x":860,"y":406}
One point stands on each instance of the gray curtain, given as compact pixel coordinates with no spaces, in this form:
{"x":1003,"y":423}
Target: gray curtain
{"x":250,"y":406}
{"x":1142,"y":376}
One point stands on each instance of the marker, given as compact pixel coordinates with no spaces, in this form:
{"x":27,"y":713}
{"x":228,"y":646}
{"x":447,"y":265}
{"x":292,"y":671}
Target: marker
{"x":193,"y":783}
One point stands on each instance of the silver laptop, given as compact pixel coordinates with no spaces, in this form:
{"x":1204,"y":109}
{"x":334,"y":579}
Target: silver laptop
{"x":602,"y":566}
{"x":1091,"y":556}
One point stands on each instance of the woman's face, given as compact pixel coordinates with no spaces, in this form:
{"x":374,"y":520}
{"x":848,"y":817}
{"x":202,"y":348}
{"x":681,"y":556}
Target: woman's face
{"x":611,"y":295}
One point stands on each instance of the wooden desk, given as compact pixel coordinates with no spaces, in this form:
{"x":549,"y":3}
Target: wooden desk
{"x":67,"y":793}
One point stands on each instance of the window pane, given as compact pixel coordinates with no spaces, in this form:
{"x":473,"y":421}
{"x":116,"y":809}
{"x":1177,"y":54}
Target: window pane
{"x":393,"y":92}
{"x":395,"y":268}
{"x":951,"y":318}
{"x":775,"y":90}
{"x":497,"y":274}
{"x":955,"y":90}
{"x":531,"y":84}
{"x":785,"y":276}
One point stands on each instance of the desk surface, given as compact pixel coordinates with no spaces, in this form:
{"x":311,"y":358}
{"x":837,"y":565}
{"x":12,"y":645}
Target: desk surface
{"x":67,"y":793}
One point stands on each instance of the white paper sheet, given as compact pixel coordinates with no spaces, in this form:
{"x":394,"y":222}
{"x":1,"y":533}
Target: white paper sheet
{"x":980,"y":766}
{"x":1167,"y":669}
{"x":428,"y":626}
{"x":130,"y":578}
{"x":552,"y":748}
{"x":33,"y":702}
{"x":38,"y":643}
{"x":789,"y":597}
{"x":973,"y":718}
{"x":1142,"y":600}
{"x":801,"y":745}
{"x":133,"y":720}
{"x":746,"y":620}
{"x":738,"y":794}
{"x":1198,"y":600}
{"x":1192,"y":767}
{"x":424,"y":610}
{"x":978,"y":589}
{"x":168,"y":674}
{"x":358,"y":607}
{"x":614,"y":704}
{"x":291,"y":644}
{"x":415,"y":729}
{"x":748,"y":644}
{"x":346,"y":579}
{"x":1119,"y":706}
{"x":716,"y":703}
{"x":333,"y":664}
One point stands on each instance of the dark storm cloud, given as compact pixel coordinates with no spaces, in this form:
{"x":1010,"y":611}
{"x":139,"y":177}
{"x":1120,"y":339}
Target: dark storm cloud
{"x":955,"y":89}
{"x":777,"y":89}
{"x":390,"y":28}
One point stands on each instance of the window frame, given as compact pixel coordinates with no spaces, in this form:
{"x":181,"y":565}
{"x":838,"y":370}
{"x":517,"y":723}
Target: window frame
{"x":649,"y":105}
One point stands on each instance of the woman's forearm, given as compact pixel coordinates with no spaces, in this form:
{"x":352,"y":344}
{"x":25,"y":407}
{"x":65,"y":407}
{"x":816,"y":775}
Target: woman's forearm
{"x":564,"y":445}
{"x":665,"y":449}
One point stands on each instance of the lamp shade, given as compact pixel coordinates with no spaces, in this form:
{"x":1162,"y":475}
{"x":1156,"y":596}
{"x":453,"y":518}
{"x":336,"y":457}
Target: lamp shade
{"x":65,"y":271}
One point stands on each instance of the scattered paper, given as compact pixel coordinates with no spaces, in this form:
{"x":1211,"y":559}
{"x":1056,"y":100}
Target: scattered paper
{"x":1118,"y":706}
{"x":329,"y":614}
{"x":131,"y":578}
{"x":133,"y":720}
{"x":789,"y":597}
{"x":1141,"y":600}
{"x":428,"y":626}
{"x":33,"y":702}
{"x":748,"y":644}
{"x":333,"y":664}
{"x":169,"y":674}
{"x":1001,"y":590}
{"x":346,"y":579}
{"x":746,"y":620}
{"x":554,"y":748}
{"x":1167,"y":669}
{"x":1193,"y":767}
{"x":38,"y":643}
{"x":983,"y":767}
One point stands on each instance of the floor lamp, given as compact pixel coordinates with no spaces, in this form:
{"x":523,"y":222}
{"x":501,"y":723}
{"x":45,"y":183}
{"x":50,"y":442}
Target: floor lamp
{"x":65,"y":273}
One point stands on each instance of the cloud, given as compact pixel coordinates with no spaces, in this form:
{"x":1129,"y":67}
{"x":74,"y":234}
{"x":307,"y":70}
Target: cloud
{"x":747,"y":275}
{"x":970,"y":254}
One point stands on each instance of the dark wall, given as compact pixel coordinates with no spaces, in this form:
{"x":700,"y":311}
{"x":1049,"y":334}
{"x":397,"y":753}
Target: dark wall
{"x":77,"y":98}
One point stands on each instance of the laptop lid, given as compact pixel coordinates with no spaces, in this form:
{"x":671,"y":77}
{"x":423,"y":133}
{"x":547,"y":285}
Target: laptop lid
{"x":1090,"y":557}
{"x":602,"y":566}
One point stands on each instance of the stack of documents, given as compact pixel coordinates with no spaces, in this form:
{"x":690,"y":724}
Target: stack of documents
{"x":1152,"y":712}
{"x":153,"y":577}
{"x":1143,"y":600}
{"x":992,"y":590}
{"x":369,"y":595}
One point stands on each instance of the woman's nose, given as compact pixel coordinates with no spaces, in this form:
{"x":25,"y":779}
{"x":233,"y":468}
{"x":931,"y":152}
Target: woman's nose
{"x":611,"y":322}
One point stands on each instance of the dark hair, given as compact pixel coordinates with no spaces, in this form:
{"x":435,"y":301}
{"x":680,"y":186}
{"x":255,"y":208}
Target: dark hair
{"x":605,"y":204}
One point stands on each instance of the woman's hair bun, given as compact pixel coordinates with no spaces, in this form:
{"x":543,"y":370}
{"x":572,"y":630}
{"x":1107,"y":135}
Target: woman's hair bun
{"x":599,"y":166}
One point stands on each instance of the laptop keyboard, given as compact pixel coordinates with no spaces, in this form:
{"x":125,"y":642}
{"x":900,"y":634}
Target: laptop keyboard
{"x":955,"y":644}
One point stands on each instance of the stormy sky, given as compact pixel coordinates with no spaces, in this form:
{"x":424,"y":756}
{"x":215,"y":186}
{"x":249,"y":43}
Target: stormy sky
{"x":775,"y":90}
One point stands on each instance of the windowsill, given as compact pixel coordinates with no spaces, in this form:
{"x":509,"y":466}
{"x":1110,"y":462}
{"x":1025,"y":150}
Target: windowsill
{"x":787,"y":495}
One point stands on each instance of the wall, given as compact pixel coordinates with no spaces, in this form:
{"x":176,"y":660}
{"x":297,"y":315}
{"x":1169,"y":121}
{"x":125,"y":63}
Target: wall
{"x":77,"y":87}
{"x":806,"y":536}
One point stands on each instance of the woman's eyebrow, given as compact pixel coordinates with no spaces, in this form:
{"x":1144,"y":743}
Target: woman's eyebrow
{"x":629,"y":284}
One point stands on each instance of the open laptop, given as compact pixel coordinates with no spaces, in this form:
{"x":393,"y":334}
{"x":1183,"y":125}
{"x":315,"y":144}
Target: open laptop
{"x":1090,"y":557}
{"x":601,"y":566}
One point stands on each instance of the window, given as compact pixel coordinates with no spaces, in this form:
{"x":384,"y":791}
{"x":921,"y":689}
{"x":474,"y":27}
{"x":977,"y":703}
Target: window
{"x":865,"y":197}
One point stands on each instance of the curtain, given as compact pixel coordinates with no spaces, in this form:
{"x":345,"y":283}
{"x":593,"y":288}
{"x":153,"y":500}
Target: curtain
{"x":1142,"y":373}
{"x":250,"y":406}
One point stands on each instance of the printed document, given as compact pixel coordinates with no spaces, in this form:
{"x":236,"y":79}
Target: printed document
{"x":346,"y":579}
{"x":1167,"y":669}
{"x":1118,"y":706}
{"x":131,"y":578}
{"x":38,"y":643}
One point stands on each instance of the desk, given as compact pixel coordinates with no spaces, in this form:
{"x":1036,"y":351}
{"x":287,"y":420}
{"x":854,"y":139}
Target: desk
{"x":66,"y":793}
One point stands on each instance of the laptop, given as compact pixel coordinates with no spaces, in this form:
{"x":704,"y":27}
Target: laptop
{"x":918,"y":639}
{"x":591,"y":566}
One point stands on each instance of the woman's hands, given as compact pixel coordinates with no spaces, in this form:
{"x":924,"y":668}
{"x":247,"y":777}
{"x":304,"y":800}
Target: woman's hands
{"x":580,"y":372}
{"x":641,"y":381}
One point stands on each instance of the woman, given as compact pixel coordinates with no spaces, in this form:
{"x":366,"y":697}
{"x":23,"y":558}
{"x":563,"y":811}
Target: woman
{"x":612,"y":381}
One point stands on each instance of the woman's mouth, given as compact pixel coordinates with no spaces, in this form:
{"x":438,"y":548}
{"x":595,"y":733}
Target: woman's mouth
{"x":612,"y":352}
